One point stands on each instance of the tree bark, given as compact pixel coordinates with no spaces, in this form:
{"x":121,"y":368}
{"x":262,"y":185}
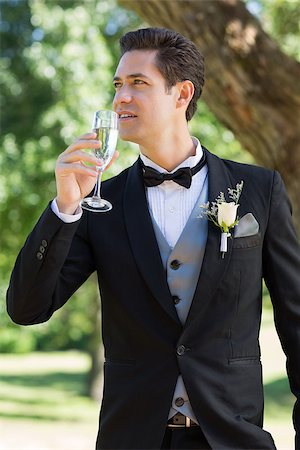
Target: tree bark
{"x":251,"y":86}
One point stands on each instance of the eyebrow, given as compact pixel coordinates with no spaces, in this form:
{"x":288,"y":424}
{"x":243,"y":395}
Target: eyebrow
{"x":133,"y":75}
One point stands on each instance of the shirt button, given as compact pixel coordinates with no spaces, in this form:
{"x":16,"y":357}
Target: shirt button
{"x":172,"y":209}
{"x":175,"y":264}
{"x":39,"y":256}
{"x":44,"y":243}
{"x":176,"y":299}
{"x":181,"y":350}
{"x":179,"y":401}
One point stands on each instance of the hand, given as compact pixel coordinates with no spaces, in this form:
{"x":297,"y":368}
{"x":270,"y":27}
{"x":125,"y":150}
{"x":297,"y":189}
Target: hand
{"x":75,"y":180}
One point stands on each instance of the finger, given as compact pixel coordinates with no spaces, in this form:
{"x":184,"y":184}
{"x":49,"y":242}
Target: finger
{"x":76,"y":168}
{"x":86,"y":136}
{"x":114,"y":158}
{"x":77,"y":156}
{"x":82,"y":143}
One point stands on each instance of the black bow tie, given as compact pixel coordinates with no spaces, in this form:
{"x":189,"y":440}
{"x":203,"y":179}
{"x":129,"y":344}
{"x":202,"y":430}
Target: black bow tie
{"x":182,"y":176}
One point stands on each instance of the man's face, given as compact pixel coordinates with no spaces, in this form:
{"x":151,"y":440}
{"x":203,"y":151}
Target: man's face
{"x":146,"y":110}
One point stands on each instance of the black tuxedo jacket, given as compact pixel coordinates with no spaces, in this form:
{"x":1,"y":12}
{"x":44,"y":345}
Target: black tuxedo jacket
{"x":221,"y":364}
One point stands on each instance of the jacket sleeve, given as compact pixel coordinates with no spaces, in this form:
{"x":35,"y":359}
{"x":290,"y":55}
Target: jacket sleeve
{"x":281,"y":263}
{"x":55,"y":260}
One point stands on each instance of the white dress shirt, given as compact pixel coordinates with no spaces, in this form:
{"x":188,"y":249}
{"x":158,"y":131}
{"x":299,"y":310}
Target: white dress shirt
{"x":171,"y":204}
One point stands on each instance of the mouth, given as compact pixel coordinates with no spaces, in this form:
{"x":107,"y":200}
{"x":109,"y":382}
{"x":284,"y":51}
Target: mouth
{"x":126,"y":116}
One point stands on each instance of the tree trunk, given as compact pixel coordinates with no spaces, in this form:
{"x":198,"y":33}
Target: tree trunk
{"x":251,"y":86}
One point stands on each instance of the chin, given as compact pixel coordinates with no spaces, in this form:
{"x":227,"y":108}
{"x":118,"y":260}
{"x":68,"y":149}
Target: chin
{"x":131,"y":137}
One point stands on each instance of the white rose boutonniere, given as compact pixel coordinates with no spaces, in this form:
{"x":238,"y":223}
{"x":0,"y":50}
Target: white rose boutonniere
{"x":224,"y":214}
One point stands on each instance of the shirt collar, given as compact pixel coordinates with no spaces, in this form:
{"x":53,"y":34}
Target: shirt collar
{"x":191,"y":161}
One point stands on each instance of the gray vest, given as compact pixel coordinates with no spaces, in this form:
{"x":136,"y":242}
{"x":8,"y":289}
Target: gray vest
{"x":183,"y":264}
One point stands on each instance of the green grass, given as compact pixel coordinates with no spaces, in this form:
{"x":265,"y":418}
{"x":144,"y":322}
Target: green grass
{"x":278,"y":398}
{"x":42,"y":396}
{"x":43,"y":406}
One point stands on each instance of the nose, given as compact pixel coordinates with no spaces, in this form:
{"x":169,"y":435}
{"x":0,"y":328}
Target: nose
{"x":122,"y":96}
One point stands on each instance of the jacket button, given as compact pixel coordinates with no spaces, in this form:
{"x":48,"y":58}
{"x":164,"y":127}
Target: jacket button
{"x":181,"y":350}
{"x":42,"y":249}
{"x":175,"y":264}
{"x":176,"y":299}
{"x":39,"y":256}
{"x":179,"y":401}
{"x":44,"y":243}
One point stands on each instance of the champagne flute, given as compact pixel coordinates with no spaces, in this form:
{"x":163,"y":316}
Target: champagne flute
{"x":105,"y":125}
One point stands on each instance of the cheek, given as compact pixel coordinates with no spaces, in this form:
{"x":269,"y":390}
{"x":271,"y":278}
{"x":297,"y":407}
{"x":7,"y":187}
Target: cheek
{"x":114,"y":102}
{"x":163,"y":108}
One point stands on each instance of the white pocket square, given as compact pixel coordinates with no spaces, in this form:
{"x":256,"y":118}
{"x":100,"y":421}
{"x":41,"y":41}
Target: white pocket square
{"x":247,"y":226}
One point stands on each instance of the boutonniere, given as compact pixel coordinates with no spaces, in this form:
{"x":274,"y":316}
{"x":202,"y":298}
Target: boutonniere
{"x":224,"y":214}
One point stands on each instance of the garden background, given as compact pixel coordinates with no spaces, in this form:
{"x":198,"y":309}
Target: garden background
{"x":57,"y":63}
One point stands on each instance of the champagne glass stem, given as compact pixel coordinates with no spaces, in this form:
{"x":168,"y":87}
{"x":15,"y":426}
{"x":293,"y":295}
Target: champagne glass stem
{"x":98,"y":185}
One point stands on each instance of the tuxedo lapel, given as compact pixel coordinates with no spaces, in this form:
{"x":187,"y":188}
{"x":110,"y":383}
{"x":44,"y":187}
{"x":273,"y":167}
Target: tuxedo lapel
{"x":213,"y":266}
{"x":143,"y":241}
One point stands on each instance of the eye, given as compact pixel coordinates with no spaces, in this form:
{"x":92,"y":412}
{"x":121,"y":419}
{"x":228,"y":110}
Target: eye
{"x":117,"y":84}
{"x":139,"y":81}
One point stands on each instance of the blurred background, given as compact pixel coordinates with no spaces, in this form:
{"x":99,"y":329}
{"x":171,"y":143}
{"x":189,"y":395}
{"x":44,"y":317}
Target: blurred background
{"x":57,"y":63}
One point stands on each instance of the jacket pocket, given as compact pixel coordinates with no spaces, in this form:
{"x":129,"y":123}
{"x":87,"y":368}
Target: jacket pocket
{"x":244,"y":361}
{"x":247,"y":241}
{"x":119,"y":362}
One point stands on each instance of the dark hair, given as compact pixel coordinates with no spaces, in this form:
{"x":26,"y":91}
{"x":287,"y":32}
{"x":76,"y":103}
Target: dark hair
{"x":177,"y":58}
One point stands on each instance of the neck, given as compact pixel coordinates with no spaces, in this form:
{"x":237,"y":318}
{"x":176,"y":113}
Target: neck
{"x":170,"y":151}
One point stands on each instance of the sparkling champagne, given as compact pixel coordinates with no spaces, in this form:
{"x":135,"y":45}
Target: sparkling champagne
{"x":108,"y":138}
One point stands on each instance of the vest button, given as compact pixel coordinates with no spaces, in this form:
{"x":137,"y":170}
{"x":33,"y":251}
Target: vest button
{"x":179,"y":401}
{"x":181,"y":350}
{"x":175,"y":264}
{"x":176,"y":299}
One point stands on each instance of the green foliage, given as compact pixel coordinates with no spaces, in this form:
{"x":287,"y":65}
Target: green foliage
{"x":284,"y":24}
{"x":281,"y":19}
{"x":16,"y":340}
{"x":57,"y":64}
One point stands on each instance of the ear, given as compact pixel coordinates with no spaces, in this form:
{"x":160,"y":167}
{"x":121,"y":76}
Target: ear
{"x":185,"y":93}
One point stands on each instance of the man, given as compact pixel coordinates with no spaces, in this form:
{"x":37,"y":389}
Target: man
{"x":180,"y":317}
